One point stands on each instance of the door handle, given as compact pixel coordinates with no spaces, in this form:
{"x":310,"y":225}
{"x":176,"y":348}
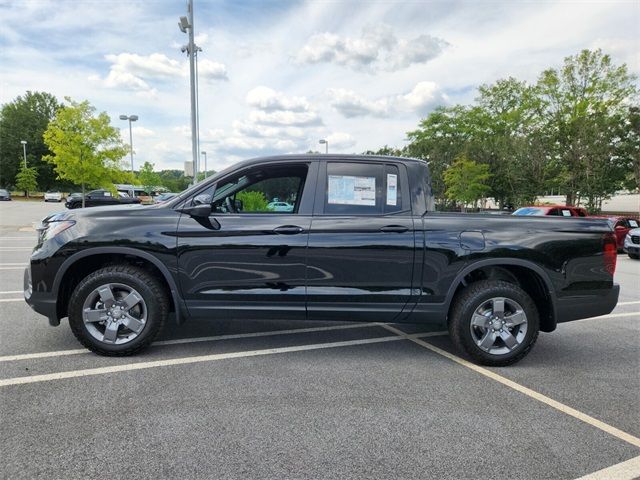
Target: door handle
{"x":394,"y":229}
{"x":288,"y":230}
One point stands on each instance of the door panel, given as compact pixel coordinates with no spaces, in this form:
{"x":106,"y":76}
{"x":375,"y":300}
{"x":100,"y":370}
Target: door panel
{"x":358,"y":271}
{"x":246,"y":269}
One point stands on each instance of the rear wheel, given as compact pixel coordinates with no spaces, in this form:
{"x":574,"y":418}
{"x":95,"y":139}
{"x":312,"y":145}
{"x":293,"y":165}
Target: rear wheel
{"x":495,"y":322}
{"x":118,"y":310}
{"x":635,"y":256}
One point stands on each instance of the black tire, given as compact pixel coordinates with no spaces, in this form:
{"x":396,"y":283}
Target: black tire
{"x":471,"y":298}
{"x":146,"y":284}
{"x":634,"y":256}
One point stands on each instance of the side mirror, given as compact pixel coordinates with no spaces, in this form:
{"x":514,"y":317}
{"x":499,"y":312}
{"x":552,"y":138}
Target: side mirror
{"x":202,"y":210}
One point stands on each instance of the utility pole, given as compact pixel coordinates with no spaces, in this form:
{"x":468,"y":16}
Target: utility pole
{"x":186,"y":23}
{"x":205,"y":163}
{"x":131,"y":118}
{"x":24,"y":151}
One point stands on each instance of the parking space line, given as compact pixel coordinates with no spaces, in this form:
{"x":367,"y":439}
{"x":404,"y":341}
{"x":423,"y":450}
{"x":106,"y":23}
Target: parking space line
{"x":182,"y":341}
{"x":11,"y":291}
{"x":627,"y":303}
{"x":13,"y":268}
{"x":11,"y":299}
{"x":611,"y":315}
{"x":189,"y":360}
{"x":14,"y":249}
{"x":594,"y":422}
{"x":628,"y":470}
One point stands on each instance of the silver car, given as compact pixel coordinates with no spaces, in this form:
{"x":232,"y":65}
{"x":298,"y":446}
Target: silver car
{"x":632,"y":243}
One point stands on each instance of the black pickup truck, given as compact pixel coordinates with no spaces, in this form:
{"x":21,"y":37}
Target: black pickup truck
{"x":100,"y":198}
{"x":361,"y":242}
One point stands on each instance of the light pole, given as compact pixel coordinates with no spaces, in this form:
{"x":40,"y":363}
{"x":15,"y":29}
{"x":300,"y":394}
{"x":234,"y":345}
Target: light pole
{"x":326,"y":145}
{"x":131,"y":118}
{"x":186,"y":23}
{"x":205,"y":163}
{"x":24,"y":151}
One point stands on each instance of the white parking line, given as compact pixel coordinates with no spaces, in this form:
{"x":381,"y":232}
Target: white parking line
{"x":12,"y":268}
{"x":628,"y":470}
{"x":14,"y":249}
{"x":11,"y":299}
{"x":188,"y":360}
{"x":181,"y":341}
{"x":594,"y":422}
{"x":627,"y":303}
{"x":11,"y":291}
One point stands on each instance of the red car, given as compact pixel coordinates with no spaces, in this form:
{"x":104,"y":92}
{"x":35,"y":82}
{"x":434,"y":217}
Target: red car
{"x":555,"y":210}
{"x":621,"y":226}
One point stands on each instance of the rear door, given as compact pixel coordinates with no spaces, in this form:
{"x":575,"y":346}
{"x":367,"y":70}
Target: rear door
{"x":361,"y":244}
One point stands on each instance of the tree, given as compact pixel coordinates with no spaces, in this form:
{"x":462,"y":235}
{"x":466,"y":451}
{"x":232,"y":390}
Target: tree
{"x":252,"y":201}
{"x":148,"y":178}
{"x":26,"y":118}
{"x":466,"y":181}
{"x":27,"y":179}
{"x":584,"y":103}
{"x":86,"y":149}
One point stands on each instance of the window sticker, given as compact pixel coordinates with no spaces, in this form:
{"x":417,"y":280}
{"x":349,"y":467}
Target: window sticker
{"x":352,"y":190}
{"x":566,"y":213}
{"x":392,"y":189}
{"x":633,"y":224}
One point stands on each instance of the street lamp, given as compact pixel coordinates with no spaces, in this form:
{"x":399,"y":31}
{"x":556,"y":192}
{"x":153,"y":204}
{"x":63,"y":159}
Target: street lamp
{"x":131,"y":118}
{"x":24,"y":151}
{"x":205,"y":163}
{"x":326,"y":145}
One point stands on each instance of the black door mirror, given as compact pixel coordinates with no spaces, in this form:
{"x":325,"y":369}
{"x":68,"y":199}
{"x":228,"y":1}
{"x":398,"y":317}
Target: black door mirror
{"x":202,"y":210}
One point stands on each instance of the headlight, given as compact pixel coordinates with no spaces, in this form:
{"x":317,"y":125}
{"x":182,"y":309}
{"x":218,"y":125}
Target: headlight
{"x":55,"y":228}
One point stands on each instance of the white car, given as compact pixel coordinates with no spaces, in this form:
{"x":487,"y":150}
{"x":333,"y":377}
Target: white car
{"x":53,"y":196}
{"x":280,"y":207}
{"x":632,"y":243}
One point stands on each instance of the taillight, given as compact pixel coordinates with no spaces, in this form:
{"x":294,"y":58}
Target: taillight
{"x":610,"y":252}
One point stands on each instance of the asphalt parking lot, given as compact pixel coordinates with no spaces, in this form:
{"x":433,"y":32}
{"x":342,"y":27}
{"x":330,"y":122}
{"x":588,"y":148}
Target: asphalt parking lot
{"x":312,"y":400}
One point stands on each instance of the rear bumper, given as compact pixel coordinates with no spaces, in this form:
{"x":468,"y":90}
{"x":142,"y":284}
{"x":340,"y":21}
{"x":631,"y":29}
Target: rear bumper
{"x":43,"y":303}
{"x":586,"y":306}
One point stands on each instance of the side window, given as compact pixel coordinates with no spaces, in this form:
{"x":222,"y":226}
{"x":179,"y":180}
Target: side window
{"x":262,"y":189}
{"x":392,"y":194}
{"x":354,"y":189}
{"x":554,"y":211}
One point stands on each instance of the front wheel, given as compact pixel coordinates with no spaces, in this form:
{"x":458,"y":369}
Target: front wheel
{"x":634,"y":256}
{"x":495,"y":322}
{"x":118,"y":310}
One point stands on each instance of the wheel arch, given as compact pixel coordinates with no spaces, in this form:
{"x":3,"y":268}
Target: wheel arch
{"x":64,"y":281}
{"x":527,"y":275}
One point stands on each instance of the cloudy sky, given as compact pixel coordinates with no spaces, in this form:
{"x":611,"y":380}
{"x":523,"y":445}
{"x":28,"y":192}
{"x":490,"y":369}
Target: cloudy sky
{"x":275,"y":77}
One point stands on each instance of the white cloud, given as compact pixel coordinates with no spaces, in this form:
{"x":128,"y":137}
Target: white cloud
{"x":376,"y":48}
{"x":143,"y":132}
{"x":134,"y":72}
{"x":340,"y":140}
{"x":285,"y":118}
{"x":350,"y":104}
{"x":267,"y":99}
{"x":423,"y":97}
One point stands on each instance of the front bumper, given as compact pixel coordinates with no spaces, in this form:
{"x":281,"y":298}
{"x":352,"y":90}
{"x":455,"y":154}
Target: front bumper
{"x":43,"y":303}
{"x":586,"y":306}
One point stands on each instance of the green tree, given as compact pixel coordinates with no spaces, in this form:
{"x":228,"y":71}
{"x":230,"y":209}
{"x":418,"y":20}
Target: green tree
{"x":27,"y":179}
{"x":26,"y":118}
{"x":466,"y":181}
{"x":148,"y":178}
{"x":252,"y":201}
{"x":584,"y":103}
{"x":86,"y":149}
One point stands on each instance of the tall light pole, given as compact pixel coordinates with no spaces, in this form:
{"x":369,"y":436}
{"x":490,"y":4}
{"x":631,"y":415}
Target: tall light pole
{"x":326,"y":145}
{"x":24,"y":151}
{"x":205,"y":163}
{"x":186,"y":23}
{"x":131,"y":118}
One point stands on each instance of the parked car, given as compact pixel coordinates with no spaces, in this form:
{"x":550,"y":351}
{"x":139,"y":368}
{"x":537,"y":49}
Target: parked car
{"x":5,"y":195}
{"x":280,"y":207}
{"x":99,"y":198}
{"x":52,"y":196}
{"x":632,"y":243}
{"x":553,"y":210}
{"x":163,"y":197}
{"x":362,"y":243}
{"x":621,"y":226}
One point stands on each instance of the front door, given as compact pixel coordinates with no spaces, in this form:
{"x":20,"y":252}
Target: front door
{"x":361,"y":244}
{"x":248,"y":259}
